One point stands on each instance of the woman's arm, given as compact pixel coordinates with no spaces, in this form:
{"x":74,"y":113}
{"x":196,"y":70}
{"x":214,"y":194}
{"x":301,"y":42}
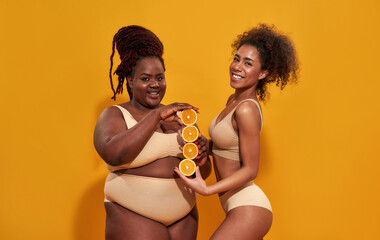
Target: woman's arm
{"x":117,"y":144}
{"x":203,"y":161}
{"x":248,"y":121}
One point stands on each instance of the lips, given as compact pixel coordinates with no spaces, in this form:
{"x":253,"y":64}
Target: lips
{"x":154,"y":94}
{"x":236,"y":77}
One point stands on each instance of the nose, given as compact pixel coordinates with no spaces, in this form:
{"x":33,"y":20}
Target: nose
{"x":237,"y":66}
{"x":154,"y":84}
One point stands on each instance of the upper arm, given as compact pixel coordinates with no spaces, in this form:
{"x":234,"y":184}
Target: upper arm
{"x":248,"y":121}
{"x":109,"y":124}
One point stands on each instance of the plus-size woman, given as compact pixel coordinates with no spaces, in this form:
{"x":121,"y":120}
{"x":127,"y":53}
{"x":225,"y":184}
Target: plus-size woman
{"x":140,"y":144}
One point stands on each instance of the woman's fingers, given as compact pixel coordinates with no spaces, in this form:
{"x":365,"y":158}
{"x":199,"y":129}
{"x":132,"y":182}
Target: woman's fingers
{"x":183,"y":177}
{"x":201,"y":160}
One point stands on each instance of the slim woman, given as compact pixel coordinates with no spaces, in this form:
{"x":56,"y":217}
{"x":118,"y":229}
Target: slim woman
{"x":140,"y":144}
{"x":262,"y":56}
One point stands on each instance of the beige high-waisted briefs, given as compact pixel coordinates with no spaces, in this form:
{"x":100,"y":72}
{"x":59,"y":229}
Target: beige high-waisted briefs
{"x":248,"y":195}
{"x":165,"y":200}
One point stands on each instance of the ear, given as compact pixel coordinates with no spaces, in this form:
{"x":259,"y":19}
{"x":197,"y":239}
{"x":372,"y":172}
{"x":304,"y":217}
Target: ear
{"x":263,"y":74}
{"x":130,"y":81}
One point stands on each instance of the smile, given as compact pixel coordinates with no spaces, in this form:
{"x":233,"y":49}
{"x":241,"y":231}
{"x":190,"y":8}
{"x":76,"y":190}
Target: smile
{"x":237,"y":77}
{"x":154,"y":94}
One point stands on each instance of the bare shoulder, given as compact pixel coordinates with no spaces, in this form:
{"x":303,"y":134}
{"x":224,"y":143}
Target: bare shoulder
{"x":110,"y":112}
{"x":247,"y":113}
{"x":111,"y":119}
{"x":248,"y":108}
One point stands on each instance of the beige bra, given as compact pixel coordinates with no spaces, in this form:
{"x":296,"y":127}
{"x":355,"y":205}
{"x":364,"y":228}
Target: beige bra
{"x":224,"y":138}
{"x":160,"y":145}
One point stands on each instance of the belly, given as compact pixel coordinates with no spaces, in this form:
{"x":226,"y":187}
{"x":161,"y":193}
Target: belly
{"x":225,"y":167}
{"x":163,"y":200}
{"x":161,"y":168}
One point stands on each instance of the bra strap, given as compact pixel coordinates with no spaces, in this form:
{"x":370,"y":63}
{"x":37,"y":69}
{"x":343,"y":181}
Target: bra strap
{"x":128,"y":118}
{"x":258,"y":106}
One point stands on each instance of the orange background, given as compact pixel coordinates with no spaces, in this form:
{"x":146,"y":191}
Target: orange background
{"x":320,"y":158}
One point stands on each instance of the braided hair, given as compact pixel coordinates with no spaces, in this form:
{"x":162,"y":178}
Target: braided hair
{"x":276,"y":53}
{"x":133,"y":43}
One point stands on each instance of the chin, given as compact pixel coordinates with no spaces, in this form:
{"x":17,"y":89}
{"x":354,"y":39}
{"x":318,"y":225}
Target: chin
{"x":154,"y":103}
{"x":234,"y":85}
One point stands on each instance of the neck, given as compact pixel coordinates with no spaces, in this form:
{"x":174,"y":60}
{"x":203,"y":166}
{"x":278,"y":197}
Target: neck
{"x":241,"y":94}
{"x":140,"y":106}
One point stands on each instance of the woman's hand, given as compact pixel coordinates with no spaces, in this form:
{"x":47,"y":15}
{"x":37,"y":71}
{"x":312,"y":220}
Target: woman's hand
{"x":168,"y":113}
{"x":197,"y":183}
{"x":201,"y":142}
{"x":202,"y":145}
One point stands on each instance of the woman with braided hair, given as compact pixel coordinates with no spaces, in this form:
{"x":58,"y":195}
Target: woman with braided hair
{"x":139,"y":142}
{"x":261,"y":56}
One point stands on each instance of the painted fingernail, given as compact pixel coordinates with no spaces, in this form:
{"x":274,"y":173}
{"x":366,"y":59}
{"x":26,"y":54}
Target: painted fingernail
{"x":196,"y":143}
{"x":197,"y":157}
{"x":199,"y":146}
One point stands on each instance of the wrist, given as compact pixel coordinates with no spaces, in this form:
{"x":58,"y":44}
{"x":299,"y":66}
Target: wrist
{"x":208,"y":191}
{"x":157,"y":114}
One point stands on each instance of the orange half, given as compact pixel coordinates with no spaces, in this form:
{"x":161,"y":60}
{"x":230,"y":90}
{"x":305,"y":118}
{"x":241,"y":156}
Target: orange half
{"x":190,"y":150}
{"x":189,"y":116}
{"x":190,"y":133}
{"x":187,"y":167}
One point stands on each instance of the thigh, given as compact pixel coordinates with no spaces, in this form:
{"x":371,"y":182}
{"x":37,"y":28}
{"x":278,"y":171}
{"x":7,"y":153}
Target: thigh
{"x":185,"y":228}
{"x":245,"y":222}
{"x":123,"y":224}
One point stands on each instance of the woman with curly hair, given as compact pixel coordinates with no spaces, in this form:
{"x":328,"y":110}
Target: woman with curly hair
{"x":262,"y":56}
{"x":140,"y":144}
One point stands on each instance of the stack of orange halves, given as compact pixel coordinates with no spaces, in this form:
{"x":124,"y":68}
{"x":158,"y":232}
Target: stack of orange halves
{"x":189,"y":134}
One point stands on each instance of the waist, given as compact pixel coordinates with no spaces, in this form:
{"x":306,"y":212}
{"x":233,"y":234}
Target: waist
{"x":231,"y":153}
{"x":161,"y":168}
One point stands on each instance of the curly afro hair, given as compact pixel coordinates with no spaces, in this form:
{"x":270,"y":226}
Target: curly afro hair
{"x":276,"y":53}
{"x":133,"y":43}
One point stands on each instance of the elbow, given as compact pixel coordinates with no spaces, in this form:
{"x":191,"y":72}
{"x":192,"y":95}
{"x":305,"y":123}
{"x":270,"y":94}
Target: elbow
{"x":111,"y":152}
{"x":251,"y":174}
{"x":112,"y":156}
{"x":114,"y":162}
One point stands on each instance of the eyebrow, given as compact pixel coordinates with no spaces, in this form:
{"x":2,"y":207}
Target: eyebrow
{"x":149,"y":75}
{"x":246,"y":58}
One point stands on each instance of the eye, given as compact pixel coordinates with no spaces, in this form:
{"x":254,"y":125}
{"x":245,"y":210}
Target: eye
{"x":160,"y":79}
{"x":248,"y":63}
{"x":145,"y":79}
{"x":236,"y":59}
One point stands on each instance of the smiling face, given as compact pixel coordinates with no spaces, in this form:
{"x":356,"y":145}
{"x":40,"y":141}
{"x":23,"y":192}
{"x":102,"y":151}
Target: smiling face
{"x":148,"y":83}
{"x":245,"y":69}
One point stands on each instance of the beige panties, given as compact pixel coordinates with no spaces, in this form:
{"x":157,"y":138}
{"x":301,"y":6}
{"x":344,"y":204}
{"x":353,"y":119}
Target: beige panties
{"x":165,"y":200}
{"x":248,"y":195}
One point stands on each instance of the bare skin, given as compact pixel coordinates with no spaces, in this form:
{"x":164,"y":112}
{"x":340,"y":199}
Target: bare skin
{"x":118,"y":145}
{"x":244,"y":222}
{"x":122,"y":223}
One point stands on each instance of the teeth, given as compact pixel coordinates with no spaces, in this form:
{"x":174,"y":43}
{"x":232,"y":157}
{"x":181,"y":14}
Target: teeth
{"x":154,"y":93}
{"x":236,"y":76}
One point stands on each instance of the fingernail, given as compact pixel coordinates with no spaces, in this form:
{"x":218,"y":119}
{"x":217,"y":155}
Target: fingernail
{"x":199,"y":146}
{"x":197,"y":157}
{"x":196,"y":143}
